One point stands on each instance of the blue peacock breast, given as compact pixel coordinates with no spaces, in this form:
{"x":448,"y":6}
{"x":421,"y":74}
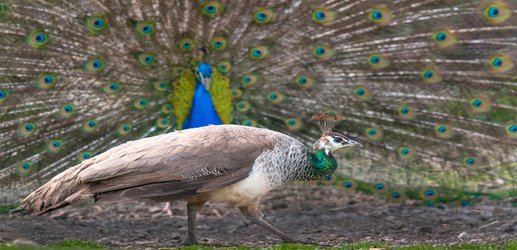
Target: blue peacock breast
{"x":203,"y":112}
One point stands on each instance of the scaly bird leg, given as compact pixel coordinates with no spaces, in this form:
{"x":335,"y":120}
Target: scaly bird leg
{"x":192,"y":209}
{"x":253,"y":213}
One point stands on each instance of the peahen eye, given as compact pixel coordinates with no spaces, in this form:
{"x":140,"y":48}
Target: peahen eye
{"x":338,"y":139}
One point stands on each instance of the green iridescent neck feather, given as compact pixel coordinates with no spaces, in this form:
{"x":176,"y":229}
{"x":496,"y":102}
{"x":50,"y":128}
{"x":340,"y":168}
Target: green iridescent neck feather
{"x":322,"y":164}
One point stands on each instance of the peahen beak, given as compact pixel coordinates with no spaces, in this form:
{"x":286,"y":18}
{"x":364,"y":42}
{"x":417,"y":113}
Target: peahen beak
{"x":352,"y":143}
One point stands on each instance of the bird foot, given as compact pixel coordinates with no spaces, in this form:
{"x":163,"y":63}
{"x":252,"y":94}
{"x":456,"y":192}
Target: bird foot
{"x":166,"y":211}
{"x":190,"y":242}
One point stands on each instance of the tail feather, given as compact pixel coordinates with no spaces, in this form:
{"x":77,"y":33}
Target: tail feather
{"x":61,"y":191}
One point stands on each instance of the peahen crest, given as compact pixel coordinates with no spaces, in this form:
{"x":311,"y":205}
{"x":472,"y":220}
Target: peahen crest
{"x":327,"y":121}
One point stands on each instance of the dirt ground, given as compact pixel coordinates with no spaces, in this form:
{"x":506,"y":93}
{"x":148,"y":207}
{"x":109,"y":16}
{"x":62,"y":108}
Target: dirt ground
{"x":319,"y":214}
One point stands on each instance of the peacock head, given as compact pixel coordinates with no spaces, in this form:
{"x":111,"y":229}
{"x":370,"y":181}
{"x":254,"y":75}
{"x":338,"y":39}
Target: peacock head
{"x":204,"y":74}
{"x":331,"y":141}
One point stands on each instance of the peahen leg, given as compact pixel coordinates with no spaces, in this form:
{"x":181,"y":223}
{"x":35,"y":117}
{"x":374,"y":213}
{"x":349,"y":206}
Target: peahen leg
{"x":253,"y":213}
{"x":192,"y":208}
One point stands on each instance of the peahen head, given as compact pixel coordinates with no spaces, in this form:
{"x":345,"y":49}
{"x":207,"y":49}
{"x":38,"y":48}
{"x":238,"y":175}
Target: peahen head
{"x":204,"y":74}
{"x":331,"y":141}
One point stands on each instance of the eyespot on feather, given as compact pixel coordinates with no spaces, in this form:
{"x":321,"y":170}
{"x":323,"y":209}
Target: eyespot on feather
{"x":323,"y":16}
{"x":124,"y":129}
{"x":242,"y":106}
{"x":323,"y":52}
{"x":96,"y":24}
{"x":186,"y":44}
{"x":67,"y":110}
{"x":90,"y":126}
{"x":378,"y":61}
{"x":443,"y":131}
{"x":259,"y":52}
{"x":45,"y":81}
{"x":218,"y":43}
{"x":162,"y":122}
{"x":263,"y":15}
{"x":27,"y":129}
{"x":496,"y":12}
{"x":362,"y":94}
{"x":444,"y":38}
{"x":83,"y":156}
{"x":380,"y":15}
{"x":37,"y":39}
{"x":145,"y":28}
{"x":329,"y":180}
{"x":293,"y":124}
{"x":95,"y":65}
{"x":249,"y":123}
{"x":212,"y":8}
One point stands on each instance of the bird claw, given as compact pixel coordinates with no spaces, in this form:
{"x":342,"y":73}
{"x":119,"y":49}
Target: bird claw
{"x":190,"y":242}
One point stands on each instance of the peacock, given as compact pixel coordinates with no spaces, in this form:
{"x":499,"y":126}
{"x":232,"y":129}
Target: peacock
{"x":428,"y":87}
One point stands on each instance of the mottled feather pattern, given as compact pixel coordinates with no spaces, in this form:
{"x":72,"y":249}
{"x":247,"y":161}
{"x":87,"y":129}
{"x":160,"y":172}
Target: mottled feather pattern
{"x":429,"y":86}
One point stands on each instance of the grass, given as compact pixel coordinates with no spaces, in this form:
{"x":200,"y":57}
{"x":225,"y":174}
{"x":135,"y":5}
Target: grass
{"x":63,"y":245}
{"x":78,"y":244}
{"x":4,"y":209}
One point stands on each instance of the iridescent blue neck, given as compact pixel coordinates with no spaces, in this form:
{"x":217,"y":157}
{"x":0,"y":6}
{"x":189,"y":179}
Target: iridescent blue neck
{"x":205,"y":69}
{"x":322,"y":164}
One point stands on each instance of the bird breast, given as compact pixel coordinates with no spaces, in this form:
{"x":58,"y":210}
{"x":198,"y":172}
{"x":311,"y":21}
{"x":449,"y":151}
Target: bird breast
{"x":286,"y":162}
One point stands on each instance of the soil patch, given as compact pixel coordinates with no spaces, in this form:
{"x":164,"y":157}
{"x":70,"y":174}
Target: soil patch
{"x":319,"y":214}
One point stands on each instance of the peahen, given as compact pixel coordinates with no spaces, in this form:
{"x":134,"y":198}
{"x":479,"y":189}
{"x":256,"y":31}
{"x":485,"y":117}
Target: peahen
{"x":231,"y":164}
{"x":428,"y":87}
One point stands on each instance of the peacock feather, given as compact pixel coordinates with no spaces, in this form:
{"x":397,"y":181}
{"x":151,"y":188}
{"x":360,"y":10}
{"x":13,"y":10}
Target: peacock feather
{"x":428,"y":87}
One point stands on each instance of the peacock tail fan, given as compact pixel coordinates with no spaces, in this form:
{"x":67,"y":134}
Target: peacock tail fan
{"x":429,"y":88}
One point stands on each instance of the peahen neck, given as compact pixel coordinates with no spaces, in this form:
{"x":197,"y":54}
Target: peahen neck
{"x":321,"y":164}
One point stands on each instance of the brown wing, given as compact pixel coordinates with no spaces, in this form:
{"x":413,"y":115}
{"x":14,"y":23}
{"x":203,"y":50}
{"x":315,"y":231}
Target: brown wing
{"x":200,"y":159}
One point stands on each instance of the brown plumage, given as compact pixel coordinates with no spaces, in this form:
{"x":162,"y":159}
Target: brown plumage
{"x":163,"y":167}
